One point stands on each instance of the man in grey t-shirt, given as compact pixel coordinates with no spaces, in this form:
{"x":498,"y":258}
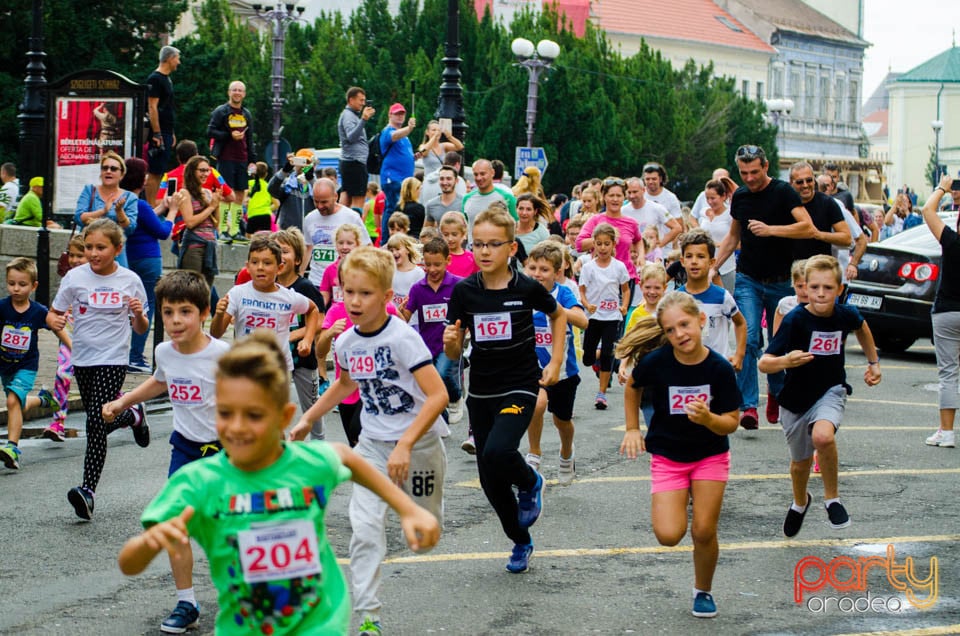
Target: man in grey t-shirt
{"x":354,"y":147}
{"x":447,"y":201}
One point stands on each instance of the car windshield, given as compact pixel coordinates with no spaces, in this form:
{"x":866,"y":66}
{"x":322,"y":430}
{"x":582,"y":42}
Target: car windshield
{"x":918,"y":238}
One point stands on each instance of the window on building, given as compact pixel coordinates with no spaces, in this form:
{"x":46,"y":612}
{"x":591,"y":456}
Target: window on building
{"x":776,"y":82}
{"x":759,"y":91}
{"x":825,"y":101}
{"x":794,"y":90}
{"x":853,"y":112}
{"x":745,"y":88}
{"x":810,"y":95}
{"x":838,"y":97}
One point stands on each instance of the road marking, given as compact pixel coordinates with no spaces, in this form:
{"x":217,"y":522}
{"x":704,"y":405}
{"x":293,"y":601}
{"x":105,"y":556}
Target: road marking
{"x":846,"y":427}
{"x":876,"y":401}
{"x":475,"y":483}
{"x":659,"y":549}
{"x":920,"y":631}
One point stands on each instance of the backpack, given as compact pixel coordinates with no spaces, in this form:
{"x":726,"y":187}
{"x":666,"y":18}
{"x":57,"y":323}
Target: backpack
{"x":374,"y":159}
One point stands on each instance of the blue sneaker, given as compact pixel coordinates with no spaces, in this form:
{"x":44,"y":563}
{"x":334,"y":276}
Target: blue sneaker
{"x":322,"y":387}
{"x":185,"y":616}
{"x":10,"y":455}
{"x":47,"y":400}
{"x":530,"y":503}
{"x":703,"y":606}
{"x":82,"y":501}
{"x":520,"y":558}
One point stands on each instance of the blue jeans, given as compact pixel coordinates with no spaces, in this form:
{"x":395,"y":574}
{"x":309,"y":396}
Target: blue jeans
{"x":753,"y":297}
{"x":449,"y":371}
{"x":391,"y":190}
{"x":149,"y":270}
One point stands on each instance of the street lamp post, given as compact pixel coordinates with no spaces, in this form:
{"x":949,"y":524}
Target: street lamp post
{"x":778,"y":108}
{"x":937,"y":126}
{"x":450,"y":101}
{"x":536,"y":61}
{"x":279,"y":18}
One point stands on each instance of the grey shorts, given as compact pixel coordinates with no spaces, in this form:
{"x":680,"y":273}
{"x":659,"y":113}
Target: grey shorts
{"x":798,"y":428}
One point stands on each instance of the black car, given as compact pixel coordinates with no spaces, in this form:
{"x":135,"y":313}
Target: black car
{"x":896,"y":284}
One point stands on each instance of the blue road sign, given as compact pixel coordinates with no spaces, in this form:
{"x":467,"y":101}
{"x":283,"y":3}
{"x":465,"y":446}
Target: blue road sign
{"x":529,"y":156}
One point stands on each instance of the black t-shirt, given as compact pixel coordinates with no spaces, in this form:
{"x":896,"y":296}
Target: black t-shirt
{"x":417,"y":214}
{"x":948,"y":293}
{"x":500,"y":321}
{"x":765,"y":258}
{"x":676,"y":272}
{"x":305,"y":287}
{"x":824,"y":212}
{"x":825,"y":337}
{"x":668,"y":383}
{"x":161,"y":87}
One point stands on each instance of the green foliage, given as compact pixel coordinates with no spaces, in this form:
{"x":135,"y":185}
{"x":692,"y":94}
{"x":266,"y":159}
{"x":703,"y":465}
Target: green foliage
{"x":598,"y":113}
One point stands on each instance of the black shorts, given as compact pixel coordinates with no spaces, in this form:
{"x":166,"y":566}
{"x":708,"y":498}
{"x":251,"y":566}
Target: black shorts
{"x":259,"y":223}
{"x":353,"y":177}
{"x":560,"y":397}
{"x":235,"y":174}
{"x":159,"y":160}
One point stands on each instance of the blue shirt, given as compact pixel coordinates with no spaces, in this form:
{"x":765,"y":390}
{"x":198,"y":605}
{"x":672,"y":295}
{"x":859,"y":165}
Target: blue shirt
{"x":151,"y":229}
{"x":541,"y":325}
{"x":397,"y":155}
{"x":18,"y":336}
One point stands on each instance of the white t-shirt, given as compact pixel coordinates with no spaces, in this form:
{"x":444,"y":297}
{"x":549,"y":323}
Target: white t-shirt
{"x":787,"y":304}
{"x":383,"y":364}
{"x":667,"y":199}
{"x":603,"y":288}
{"x":720,"y":308}
{"x":403,"y":282}
{"x":101,"y":313}
{"x":574,"y":287}
{"x":192,"y":388}
{"x":319,"y":233}
{"x":276,"y":310}
{"x":9,"y":193}
{"x":652,"y":213}
{"x":719,"y":227}
{"x":699,"y":206}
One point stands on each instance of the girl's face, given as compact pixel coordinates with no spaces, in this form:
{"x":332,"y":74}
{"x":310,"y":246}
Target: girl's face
{"x":288,"y":260}
{"x":651,"y":234}
{"x":395,"y":229}
{"x":800,"y":288}
{"x":652,"y":289}
{"x":588,"y":202}
{"x":454,"y":236}
{"x":76,"y":257}
{"x":203,"y":170}
{"x":715,"y":200}
{"x":526,"y":211}
{"x":603,"y":246}
{"x":683,"y":331}
{"x":346,"y":243}
{"x":432,"y":129}
{"x":250,"y":424}
{"x":400,"y":255}
{"x":101,"y":252}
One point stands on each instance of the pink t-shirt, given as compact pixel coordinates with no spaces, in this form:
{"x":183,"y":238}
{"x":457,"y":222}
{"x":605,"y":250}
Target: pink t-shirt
{"x":629,"y":231}
{"x":462,"y":265}
{"x":330,"y":282}
{"x":336,"y":312}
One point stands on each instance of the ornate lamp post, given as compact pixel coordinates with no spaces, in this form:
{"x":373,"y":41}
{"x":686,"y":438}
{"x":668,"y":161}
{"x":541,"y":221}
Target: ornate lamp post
{"x":279,"y":18}
{"x":450,"y":101}
{"x":536,"y":61}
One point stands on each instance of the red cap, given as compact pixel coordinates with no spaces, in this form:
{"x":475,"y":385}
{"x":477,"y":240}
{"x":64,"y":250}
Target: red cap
{"x":397,"y":108}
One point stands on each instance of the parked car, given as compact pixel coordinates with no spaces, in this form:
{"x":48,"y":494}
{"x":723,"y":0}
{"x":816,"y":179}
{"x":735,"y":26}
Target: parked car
{"x":896,"y":284}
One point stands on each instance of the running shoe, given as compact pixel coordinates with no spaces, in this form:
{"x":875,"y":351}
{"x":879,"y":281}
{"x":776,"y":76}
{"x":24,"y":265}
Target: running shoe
{"x":141,"y":430}
{"x":704,"y":606}
{"x":469,"y":446}
{"x":942,"y":438}
{"x":47,"y":400}
{"x":749,"y":419}
{"x":139,"y":368}
{"x":55,"y":432}
{"x":773,"y":409}
{"x":10,"y":455}
{"x":838,"y":516}
{"x":184,"y":616}
{"x":455,"y":411}
{"x":82,"y":501}
{"x":530,"y":503}
{"x":794,"y":520}
{"x":533,"y":461}
{"x":370,"y":627}
{"x":520,"y":558}
{"x":568,"y":469}
{"x":601,"y":402}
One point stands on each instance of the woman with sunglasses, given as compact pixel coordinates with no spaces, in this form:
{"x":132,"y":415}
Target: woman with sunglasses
{"x":629,"y":247}
{"x":108,"y":200}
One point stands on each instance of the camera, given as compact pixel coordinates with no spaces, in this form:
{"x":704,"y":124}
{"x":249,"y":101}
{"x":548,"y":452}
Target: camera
{"x":299,"y":161}
{"x":955,"y":185}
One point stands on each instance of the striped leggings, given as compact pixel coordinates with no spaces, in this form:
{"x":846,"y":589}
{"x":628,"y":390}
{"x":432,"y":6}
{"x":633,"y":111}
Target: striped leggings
{"x":61,"y":385}
{"x":99,"y":385}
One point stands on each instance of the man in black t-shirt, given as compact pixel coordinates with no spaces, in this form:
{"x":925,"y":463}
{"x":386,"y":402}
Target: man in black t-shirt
{"x":161,"y":111}
{"x":231,"y":135}
{"x":831,"y":228}
{"x":767,"y":215}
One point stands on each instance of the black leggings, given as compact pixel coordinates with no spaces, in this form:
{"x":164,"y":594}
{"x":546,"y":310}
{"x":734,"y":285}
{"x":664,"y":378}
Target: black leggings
{"x":606,"y":333}
{"x":350,"y":418}
{"x":99,"y":385}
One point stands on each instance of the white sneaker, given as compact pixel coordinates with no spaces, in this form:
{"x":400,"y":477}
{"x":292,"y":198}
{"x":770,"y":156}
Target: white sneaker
{"x":941,"y":438}
{"x":533,"y":461}
{"x":455,"y":411}
{"x":568,"y":470}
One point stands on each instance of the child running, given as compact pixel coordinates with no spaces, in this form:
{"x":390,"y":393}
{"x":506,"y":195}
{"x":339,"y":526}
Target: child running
{"x":406,"y":255}
{"x":21,"y":320}
{"x":64,"y":377}
{"x":695,"y":408}
{"x":789,"y":303}
{"x":605,"y":290}
{"x":496,"y":305}
{"x":263,"y":498}
{"x":347,"y":239}
{"x":810,"y":347}
{"x":186,"y":365}
{"x":403,"y":397}
{"x":103,"y":298}
{"x":453,"y":229}
{"x":544,"y":264}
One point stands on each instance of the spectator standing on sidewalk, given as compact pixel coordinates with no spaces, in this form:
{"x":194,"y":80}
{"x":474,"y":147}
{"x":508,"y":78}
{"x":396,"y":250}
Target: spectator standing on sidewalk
{"x":354,"y":147}
{"x":397,"y":153}
{"x":9,"y":191}
{"x":162,"y":114}
{"x":231,"y":132}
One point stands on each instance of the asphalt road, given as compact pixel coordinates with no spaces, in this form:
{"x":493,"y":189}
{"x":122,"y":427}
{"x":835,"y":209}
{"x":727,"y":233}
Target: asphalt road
{"x":597,"y":567}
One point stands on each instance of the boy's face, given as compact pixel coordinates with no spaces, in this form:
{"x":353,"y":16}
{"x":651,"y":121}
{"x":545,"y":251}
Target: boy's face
{"x":652,"y":289}
{"x":697,"y":261}
{"x":182,"y":320}
{"x":491,"y":248}
{"x":435,"y":266}
{"x":19,"y":285}
{"x":249,"y":424}
{"x":288,"y":260}
{"x":453,"y":236}
{"x":364,"y":299}
{"x":263,"y":268}
{"x":542,"y":271}
{"x":822,"y":291}
{"x":570,"y":238}
{"x":75,"y":257}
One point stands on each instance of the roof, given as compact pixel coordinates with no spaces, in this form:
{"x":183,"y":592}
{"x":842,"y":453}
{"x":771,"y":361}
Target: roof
{"x":943,"y":68}
{"x":875,"y":124}
{"x":799,"y":17}
{"x":880,"y":98}
{"x":686,"y":20}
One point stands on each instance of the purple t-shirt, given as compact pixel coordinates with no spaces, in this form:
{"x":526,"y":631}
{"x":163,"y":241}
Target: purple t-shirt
{"x":430,"y":307}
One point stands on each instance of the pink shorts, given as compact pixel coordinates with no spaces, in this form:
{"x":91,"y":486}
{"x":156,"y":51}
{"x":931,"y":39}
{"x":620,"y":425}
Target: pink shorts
{"x":666,"y":474}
